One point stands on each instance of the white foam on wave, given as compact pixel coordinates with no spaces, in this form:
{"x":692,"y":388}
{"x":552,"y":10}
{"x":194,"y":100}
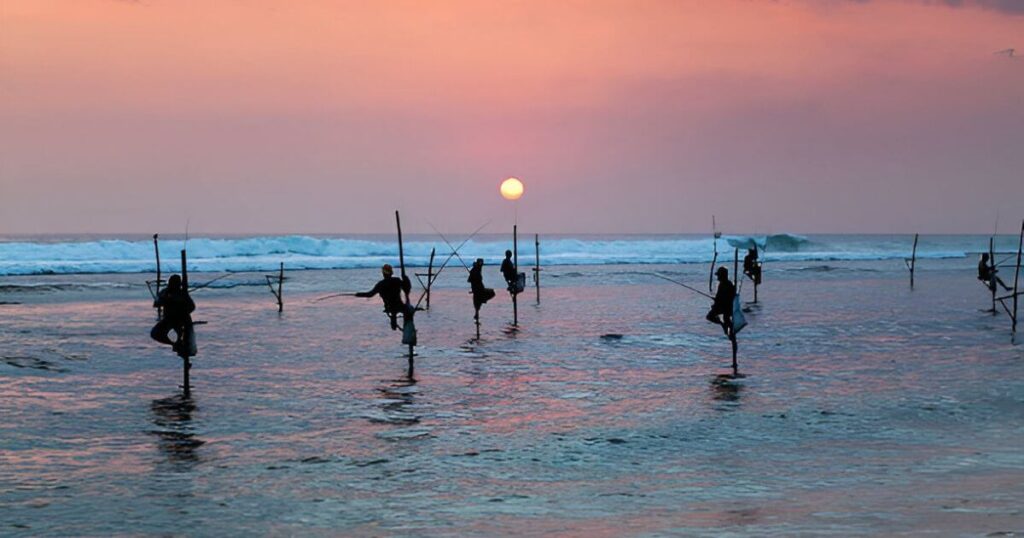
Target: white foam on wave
{"x":304,"y":252}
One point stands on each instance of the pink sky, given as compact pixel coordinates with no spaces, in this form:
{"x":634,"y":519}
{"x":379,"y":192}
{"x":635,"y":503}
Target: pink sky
{"x":627,"y":116}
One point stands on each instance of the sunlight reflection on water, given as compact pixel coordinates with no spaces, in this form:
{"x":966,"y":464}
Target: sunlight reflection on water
{"x":856,"y":411}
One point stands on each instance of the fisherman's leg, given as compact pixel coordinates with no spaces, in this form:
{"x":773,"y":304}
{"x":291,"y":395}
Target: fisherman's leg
{"x":727,"y":326}
{"x":179,"y":338}
{"x":160,"y":332}
{"x":394,"y":320}
{"x":714,"y":313}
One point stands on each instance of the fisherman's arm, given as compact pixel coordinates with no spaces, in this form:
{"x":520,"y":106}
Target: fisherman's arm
{"x":376,"y":289}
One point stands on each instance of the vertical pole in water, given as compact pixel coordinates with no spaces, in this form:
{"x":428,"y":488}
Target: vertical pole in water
{"x":184,"y":338}
{"x":735,"y":346}
{"x":515,"y":284}
{"x":913,"y":261}
{"x":536,"y":270}
{"x":732,"y":333}
{"x":714,"y":260}
{"x":992,"y":271}
{"x":156,"y":247}
{"x":1016,"y":277}
{"x":754,"y":279}
{"x":736,"y":266}
{"x":280,"y":284}
{"x":401,"y":261}
{"x":430,"y":275}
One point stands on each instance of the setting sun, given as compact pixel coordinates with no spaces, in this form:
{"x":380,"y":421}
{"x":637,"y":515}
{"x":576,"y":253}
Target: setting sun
{"x":511,"y":188}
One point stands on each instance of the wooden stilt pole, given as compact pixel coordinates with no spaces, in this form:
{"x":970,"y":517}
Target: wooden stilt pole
{"x":407,"y":318}
{"x":732,"y":333}
{"x":156,"y":247}
{"x":280,"y":291}
{"x":714,"y":260}
{"x":913,"y":261}
{"x":1016,"y":277}
{"x":184,"y":338}
{"x":735,"y":348}
{"x":736,"y":266}
{"x":430,"y":275}
{"x":515,"y":284}
{"x":755,"y":279}
{"x":992,"y":271}
{"x":536,"y":270}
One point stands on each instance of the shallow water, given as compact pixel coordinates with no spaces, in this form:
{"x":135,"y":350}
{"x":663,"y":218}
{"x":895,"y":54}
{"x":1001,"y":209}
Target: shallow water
{"x":868,"y":409}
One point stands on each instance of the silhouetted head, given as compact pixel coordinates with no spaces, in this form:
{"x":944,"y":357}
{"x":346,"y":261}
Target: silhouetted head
{"x":174,"y":283}
{"x":722,"y":273}
{"x":508,"y":254}
{"x":753,"y":250}
{"x":984,"y":256}
{"x":387,"y":270}
{"x":479,"y":262}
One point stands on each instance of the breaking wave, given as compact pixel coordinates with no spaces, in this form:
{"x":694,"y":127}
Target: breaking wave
{"x":304,"y":252}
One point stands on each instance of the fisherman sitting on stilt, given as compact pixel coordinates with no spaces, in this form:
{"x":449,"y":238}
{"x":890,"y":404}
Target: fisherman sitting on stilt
{"x":177,"y":305}
{"x":752,"y":267}
{"x":723,"y":304}
{"x":508,"y":270}
{"x":481,"y":293}
{"x":390,"y":290}
{"x":987,"y":274}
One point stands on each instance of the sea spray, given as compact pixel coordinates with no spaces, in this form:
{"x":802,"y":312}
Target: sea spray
{"x":306,"y":252}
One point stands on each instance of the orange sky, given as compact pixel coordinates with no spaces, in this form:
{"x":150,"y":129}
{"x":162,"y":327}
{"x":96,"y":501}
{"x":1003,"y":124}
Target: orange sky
{"x":632,"y":116}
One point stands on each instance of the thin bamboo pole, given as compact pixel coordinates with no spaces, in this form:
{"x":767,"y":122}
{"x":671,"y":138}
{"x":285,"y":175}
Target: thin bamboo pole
{"x":992,"y":272}
{"x":184,"y":338}
{"x":156,"y":247}
{"x":280,"y":291}
{"x":758,"y":268}
{"x":430,"y":275}
{"x":515,"y":283}
{"x":730,"y":329}
{"x":913,"y":261}
{"x":1016,"y":277}
{"x":736,"y":267}
{"x":407,"y":318}
{"x":536,"y":270}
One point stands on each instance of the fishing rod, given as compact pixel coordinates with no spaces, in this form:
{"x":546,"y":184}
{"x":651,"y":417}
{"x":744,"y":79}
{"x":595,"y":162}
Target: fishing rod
{"x":205,"y":284}
{"x":221,"y":277}
{"x":441,"y":268}
{"x":333,"y":295}
{"x":691,"y":288}
{"x":454,"y":253}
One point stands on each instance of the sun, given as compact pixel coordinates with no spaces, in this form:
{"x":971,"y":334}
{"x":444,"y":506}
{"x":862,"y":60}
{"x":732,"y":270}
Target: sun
{"x":511,"y":189}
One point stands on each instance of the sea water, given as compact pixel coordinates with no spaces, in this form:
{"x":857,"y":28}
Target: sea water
{"x":868,"y":407}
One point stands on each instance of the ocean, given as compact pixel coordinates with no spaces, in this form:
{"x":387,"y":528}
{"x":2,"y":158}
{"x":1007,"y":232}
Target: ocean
{"x":868,"y":407}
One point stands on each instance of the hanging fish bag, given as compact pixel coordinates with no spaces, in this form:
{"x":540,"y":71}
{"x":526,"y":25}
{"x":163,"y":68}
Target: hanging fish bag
{"x":739,"y":321}
{"x":409,"y":333}
{"x":520,"y":282}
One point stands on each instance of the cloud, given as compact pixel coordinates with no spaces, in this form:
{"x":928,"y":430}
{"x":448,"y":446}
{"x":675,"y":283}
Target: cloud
{"x":1013,"y":7}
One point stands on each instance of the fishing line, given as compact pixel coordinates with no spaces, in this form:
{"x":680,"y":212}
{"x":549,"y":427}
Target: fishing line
{"x":695,"y":290}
